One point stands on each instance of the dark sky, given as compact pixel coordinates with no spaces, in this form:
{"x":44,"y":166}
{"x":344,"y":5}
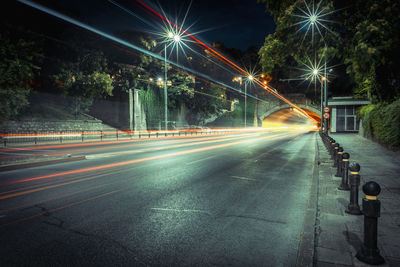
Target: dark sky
{"x":236,"y":23}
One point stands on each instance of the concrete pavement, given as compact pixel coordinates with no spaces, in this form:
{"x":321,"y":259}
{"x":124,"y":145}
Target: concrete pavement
{"x":339,"y":235}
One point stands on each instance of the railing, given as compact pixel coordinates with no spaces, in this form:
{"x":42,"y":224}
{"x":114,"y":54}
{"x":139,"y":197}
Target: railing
{"x":69,"y":136}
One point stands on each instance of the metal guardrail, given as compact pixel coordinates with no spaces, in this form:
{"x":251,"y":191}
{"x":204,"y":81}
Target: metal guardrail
{"x":99,"y":135}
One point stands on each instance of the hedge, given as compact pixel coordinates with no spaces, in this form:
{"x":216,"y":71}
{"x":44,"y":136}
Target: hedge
{"x":382,"y":122}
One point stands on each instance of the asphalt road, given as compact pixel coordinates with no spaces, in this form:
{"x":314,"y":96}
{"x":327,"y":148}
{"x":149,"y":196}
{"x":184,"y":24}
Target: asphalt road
{"x":236,"y":199}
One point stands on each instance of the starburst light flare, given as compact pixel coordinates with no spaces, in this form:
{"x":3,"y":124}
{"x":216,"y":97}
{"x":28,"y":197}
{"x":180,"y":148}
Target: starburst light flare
{"x":313,"y":19}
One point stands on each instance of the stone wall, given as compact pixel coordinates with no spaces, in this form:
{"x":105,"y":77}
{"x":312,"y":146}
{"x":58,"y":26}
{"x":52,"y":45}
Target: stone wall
{"x":52,"y":126}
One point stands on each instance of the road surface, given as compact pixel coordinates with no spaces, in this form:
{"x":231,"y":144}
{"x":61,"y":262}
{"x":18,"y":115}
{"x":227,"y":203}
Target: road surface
{"x":228,"y":199}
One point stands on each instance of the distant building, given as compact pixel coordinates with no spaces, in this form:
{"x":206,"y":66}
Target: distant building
{"x":343,"y":113}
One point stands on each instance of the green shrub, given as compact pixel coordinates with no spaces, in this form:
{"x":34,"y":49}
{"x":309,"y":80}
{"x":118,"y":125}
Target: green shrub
{"x":383,"y":122}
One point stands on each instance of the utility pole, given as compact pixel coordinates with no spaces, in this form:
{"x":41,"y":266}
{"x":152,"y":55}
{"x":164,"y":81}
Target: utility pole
{"x":326,"y":98}
{"x":245,"y":104}
{"x":130,"y":106}
{"x":165,"y":90}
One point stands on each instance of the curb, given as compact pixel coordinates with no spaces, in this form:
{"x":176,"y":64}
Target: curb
{"x":39,"y":163}
{"x":306,"y":248}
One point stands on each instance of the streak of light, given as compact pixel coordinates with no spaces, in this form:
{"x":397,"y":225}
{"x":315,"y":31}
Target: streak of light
{"x":55,"y":182}
{"x":177,"y":69}
{"x":60,"y":208}
{"x":125,"y":43}
{"x":41,"y":188}
{"x":124,"y":163}
{"x":170,"y":139}
{"x":287,"y":126}
{"x":212,"y":132}
{"x":229,"y":62}
{"x":164,"y":147}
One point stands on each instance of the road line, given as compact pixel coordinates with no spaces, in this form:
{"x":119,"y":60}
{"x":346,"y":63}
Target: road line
{"x":181,"y":210}
{"x":244,"y":178}
{"x":196,"y":161}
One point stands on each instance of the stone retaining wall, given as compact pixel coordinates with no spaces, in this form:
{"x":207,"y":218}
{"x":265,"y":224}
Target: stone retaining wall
{"x":52,"y":126}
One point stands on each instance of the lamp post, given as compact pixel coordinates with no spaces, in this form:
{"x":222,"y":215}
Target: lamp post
{"x":175,"y":38}
{"x":315,"y":17}
{"x":250,"y":78}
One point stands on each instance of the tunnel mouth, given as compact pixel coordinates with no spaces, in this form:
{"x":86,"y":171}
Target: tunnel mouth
{"x":291,"y":118}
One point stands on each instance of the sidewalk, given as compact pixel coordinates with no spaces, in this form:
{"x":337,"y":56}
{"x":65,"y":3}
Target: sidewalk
{"x":338,"y":235}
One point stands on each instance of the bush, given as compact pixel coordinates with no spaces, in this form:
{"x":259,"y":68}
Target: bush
{"x":383,"y":122}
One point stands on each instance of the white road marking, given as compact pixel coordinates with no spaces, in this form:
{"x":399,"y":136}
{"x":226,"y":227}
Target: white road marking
{"x":244,"y":178}
{"x":193,"y":162}
{"x":182,"y":210}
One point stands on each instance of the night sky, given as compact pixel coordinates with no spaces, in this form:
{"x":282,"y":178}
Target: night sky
{"x":236,"y":23}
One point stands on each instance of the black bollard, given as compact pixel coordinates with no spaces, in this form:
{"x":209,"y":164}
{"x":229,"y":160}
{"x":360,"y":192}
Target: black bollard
{"x":339,"y":162}
{"x":369,"y":252}
{"x":335,"y":154}
{"x":344,"y":185}
{"x":332,"y":148}
{"x":353,"y":207}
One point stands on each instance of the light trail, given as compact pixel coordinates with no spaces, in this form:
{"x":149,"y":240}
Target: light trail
{"x":125,"y":43}
{"x":124,"y":163}
{"x":215,"y":133}
{"x":118,"y":40}
{"x":229,"y":62}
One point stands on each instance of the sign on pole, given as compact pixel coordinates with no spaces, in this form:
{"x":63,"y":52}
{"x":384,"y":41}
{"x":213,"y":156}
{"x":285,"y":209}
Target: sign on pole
{"x":326,"y":115}
{"x":327,"y":109}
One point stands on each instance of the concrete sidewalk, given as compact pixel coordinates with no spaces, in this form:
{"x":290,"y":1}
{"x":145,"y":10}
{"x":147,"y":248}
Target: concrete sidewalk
{"x":339,"y":235}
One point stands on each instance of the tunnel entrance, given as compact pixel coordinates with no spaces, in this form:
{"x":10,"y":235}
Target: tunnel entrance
{"x":288,"y":117}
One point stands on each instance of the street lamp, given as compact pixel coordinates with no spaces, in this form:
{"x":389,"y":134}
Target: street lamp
{"x":176,"y":38}
{"x":315,"y":17}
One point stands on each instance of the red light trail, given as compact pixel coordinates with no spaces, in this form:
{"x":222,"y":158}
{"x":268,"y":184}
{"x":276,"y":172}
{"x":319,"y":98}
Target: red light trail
{"x":229,"y":62}
{"x":123,"y":163}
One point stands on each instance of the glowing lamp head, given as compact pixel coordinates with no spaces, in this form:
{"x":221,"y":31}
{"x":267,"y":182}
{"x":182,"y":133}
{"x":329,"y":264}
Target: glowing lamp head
{"x":177,"y":38}
{"x":315,"y":71}
{"x":313,"y":19}
{"x":251,"y":77}
{"x":159,"y":79}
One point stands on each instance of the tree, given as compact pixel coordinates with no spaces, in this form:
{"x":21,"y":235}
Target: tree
{"x":84,"y":80}
{"x":371,"y":45}
{"x":19,"y":66}
{"x":364,"y":38}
